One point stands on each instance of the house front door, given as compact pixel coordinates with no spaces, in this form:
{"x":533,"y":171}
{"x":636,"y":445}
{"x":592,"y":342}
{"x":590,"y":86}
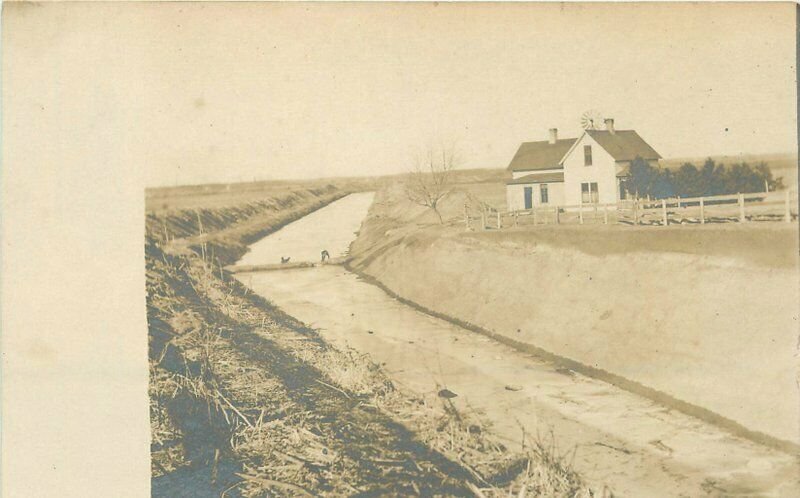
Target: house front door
{"x":528,"y":197}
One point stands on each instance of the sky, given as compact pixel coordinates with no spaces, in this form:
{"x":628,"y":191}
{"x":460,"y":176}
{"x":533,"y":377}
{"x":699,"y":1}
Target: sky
{"x":235,"y":92}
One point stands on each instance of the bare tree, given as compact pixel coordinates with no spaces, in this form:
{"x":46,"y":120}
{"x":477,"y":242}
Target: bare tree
{"x":431,"y":180}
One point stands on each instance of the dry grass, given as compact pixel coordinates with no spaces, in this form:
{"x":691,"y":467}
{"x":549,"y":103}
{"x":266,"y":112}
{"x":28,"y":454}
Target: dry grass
{"x":167,"y":453}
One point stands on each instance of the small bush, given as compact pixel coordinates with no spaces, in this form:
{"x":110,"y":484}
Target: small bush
{"x":690,"y":181}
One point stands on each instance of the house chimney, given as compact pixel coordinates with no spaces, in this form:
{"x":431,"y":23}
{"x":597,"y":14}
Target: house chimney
{"x":610,"y":125}
{"x":553,"y":135}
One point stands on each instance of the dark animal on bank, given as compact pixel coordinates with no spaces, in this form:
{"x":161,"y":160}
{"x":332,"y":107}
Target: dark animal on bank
{"x":325,"y":255}
{"x":285,"y":260}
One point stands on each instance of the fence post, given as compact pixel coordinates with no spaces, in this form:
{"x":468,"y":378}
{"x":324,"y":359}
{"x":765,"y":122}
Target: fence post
{"x":636,"y":211}
{"x":679,"y":202}
{"x":605,"y":214}
{"x":741,"y":208}
{"x":580,"y":212}
{"x":516,"y":218}
{"x":788,"y":215}
{"x":702,"y":212}
{"x":664,"y":211}
{"x":558,"y":215}
{"x":499,"y":223}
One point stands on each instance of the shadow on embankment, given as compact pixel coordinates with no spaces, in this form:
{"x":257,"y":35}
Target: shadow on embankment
{"x":592,"y":372}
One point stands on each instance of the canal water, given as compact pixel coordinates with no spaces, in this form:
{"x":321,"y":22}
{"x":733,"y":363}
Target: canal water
{"x":331,"y":228}
{"x":635,"y":446}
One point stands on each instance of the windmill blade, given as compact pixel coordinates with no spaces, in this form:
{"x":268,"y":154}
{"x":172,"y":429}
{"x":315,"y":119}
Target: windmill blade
{"x":592,"y":120}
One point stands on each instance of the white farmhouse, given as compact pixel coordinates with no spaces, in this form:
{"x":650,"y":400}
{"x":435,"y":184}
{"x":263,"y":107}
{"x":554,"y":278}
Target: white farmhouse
{"x":589,"y":169}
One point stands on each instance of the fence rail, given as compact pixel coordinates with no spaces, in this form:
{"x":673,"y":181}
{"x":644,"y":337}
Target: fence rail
{"x":741,"y":208}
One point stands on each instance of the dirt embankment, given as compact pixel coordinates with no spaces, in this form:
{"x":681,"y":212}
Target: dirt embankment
{"x":704,"y":319}
{"x":221,"y":235}
{"x":246,"y":401}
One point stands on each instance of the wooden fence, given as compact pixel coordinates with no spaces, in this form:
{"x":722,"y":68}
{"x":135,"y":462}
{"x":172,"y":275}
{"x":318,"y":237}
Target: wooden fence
{"x":741,"y":208}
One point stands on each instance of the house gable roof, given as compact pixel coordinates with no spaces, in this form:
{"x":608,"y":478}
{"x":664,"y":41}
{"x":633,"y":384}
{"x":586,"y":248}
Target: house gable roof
{"x":533,"y":156}
{"x":623,"y":145}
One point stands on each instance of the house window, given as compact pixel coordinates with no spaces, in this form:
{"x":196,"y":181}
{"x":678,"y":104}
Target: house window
{"x":543,"y":193}
{"x":587,"y":155}
{"x":589,"y":194}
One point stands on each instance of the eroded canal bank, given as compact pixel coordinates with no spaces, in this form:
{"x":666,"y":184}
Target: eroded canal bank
{"x":636,"y":446}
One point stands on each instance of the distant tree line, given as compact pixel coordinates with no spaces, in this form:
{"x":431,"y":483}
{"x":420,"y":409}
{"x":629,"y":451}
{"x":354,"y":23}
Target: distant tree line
{"x":690,"y":181}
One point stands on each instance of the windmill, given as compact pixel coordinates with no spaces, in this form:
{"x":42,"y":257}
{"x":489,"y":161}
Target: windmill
{"x":591,"y":120}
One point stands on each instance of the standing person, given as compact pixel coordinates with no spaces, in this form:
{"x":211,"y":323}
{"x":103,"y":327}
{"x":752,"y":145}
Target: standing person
{"x":325,"y":255}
